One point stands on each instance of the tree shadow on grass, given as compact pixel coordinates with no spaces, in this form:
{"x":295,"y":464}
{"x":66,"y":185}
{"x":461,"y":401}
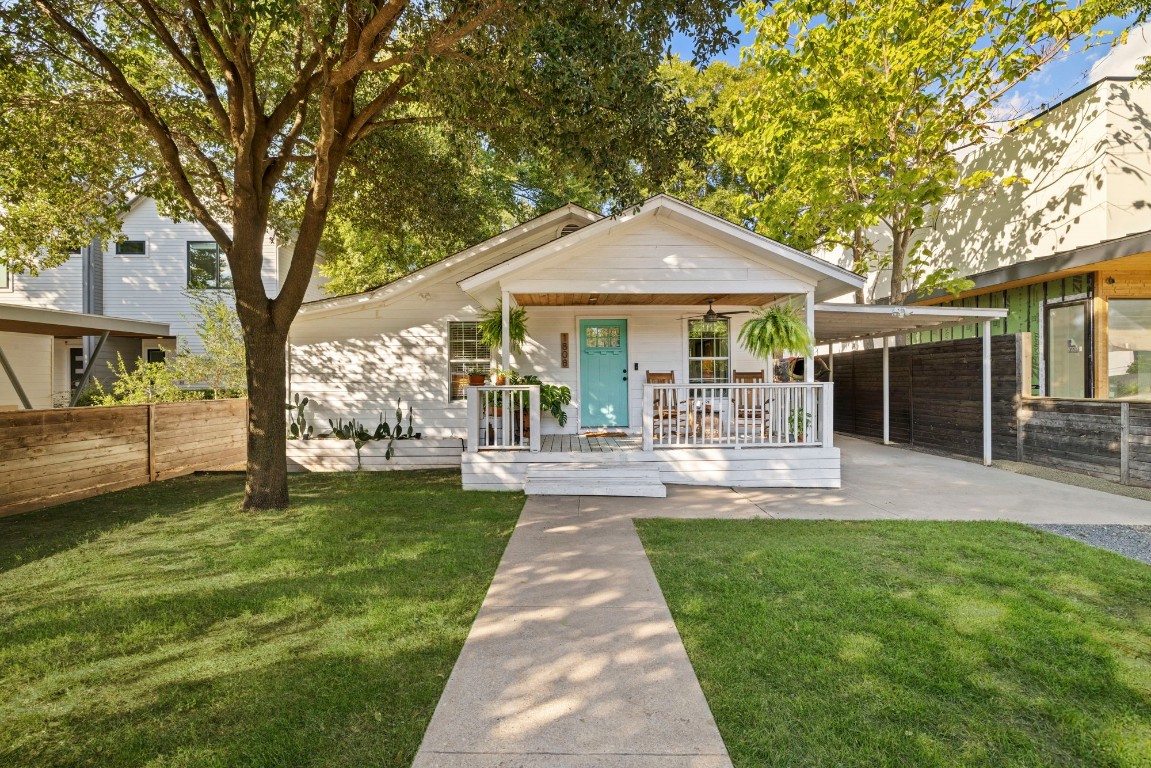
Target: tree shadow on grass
{"x":876,"y":644}
{"x":30,"y":536}
{"x":205,"y":636}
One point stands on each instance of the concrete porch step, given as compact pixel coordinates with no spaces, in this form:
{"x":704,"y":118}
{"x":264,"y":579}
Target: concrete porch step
{"x":587,"y":479}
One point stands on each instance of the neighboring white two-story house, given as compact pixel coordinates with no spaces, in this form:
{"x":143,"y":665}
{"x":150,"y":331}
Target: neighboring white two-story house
{"x":145,"y":276}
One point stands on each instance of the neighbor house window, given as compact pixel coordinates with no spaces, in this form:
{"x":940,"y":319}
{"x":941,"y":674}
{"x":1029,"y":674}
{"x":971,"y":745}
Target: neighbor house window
{"x":5,"y":278}
{"x":207,"y":266}
{"x":466,"y":353}
{"x":156,"y":355}
{"x":1129,"y":348}
{"x":708,"y":352}
{"x":131,"y":248}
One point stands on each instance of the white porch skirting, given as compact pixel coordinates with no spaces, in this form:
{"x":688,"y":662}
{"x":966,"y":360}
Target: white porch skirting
{"x":815,"y":467}
{"x":340,"y":455}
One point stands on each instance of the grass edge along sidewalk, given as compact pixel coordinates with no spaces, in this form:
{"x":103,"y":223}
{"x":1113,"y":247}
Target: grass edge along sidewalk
{"x":911,"y":643}
{"x":163,"y":626}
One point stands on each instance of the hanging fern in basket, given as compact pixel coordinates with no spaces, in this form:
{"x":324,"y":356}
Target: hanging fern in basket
{"x":491,"y":327}
{"x":773,"y":331}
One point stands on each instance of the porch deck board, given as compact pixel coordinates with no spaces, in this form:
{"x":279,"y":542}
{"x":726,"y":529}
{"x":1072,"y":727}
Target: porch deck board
{"x":586,"y":444}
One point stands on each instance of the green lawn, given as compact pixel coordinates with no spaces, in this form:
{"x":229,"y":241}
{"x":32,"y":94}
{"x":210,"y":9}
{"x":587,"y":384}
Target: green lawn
{"x":911,"y":644}
{"x":162,"y":626}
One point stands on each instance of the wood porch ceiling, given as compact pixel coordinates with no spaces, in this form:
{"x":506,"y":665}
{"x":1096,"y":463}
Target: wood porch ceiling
{"x":645,"y":299}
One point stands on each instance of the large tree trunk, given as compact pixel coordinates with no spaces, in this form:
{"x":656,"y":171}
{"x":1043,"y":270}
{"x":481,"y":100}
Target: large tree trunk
{"x":267,"y":486}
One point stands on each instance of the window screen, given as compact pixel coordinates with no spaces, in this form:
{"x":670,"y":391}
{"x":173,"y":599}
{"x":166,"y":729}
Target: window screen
{"x":466,"y":353}
{"x":708,"y":352}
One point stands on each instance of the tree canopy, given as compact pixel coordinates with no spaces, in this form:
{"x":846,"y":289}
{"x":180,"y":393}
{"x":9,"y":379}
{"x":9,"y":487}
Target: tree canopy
{"x":852,"y":113}
{"x":270,"y":117}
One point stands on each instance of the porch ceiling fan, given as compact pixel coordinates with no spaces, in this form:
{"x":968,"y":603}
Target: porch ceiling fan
{"x":710,"y":316}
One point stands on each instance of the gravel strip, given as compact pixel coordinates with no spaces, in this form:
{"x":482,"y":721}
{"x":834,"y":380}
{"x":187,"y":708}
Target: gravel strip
{"x":1133,"y":541}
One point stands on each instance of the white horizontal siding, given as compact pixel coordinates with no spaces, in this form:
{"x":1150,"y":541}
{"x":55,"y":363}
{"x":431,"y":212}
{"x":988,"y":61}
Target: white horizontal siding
{"x":59,"y":287}
{"x":340,"y":455}
{"x":660,"y":251}
{"x":31,"y":359}
{"x":152,"y":287}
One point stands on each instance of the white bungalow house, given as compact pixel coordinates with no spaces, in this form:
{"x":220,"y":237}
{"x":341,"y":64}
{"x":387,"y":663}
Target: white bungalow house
{"x":616,"y":308}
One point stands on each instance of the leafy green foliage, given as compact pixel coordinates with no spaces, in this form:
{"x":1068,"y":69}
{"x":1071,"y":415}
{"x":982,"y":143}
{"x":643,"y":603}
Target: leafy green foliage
{"x":142,"y":384}
{"x":271,"y":118}
{"x":222,"y":366}
{"x":553,"y":397}
{"x":491,"y":327}
{"x":852,"y":113}
{"x":772,"y":331}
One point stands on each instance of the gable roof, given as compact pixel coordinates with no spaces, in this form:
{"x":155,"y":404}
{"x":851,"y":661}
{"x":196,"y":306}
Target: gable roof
{"x":411,"y":281}
{"x":830,"y":280}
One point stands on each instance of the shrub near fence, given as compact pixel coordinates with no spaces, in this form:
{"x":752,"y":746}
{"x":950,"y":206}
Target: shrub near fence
{"x":52,"y":456}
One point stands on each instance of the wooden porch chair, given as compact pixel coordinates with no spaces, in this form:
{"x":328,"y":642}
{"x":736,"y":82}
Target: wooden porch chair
{"x":750,"y":405}
{"x":669,"y":415}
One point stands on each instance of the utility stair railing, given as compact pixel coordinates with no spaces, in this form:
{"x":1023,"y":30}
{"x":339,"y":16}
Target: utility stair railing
{"x":738,"y":415}
{"x":504,"y":418}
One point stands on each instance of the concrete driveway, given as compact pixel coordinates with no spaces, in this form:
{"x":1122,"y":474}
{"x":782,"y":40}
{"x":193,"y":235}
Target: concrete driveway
{"x":890,"y":483}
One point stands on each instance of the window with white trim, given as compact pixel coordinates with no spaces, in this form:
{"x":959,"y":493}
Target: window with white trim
{"x":466,"y":353}
{"x":5,"y":277}
{"x":708,"y":352}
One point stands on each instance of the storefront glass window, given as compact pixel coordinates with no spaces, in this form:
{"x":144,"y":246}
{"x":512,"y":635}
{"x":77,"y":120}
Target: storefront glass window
{"x":1129,"y":348}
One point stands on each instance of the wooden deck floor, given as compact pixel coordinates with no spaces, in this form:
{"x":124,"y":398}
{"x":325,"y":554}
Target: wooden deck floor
{"x":581,"y":444}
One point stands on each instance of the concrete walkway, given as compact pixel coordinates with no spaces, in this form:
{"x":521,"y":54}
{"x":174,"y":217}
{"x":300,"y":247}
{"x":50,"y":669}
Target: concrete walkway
{"x":574,"y":660}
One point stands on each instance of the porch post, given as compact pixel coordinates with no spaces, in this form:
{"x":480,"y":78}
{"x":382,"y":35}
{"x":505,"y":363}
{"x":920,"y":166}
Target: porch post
{"x":809,"y":361}
{"x":886,"y":390}
{"x":505,"y":346}
{"x":987,"y":393}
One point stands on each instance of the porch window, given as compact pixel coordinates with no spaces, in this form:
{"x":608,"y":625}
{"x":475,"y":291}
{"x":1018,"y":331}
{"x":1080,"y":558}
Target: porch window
{"x":1129,"y":348}
{"x":708,"y":352}
{"x":207,"y":266}
{"x":466,"y":352}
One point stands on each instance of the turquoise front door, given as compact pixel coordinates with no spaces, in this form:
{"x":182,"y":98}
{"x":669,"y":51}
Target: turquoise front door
{"x":603,"y":373}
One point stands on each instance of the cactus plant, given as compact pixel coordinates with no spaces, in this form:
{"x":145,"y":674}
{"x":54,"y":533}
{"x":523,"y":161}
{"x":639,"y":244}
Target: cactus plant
{"x":360,"y":436}
{"x":298,"y":427}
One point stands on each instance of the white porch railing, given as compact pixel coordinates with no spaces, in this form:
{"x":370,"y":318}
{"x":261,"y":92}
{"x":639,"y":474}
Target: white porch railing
{"x":737,"y":415}
{"x":504,"y":418}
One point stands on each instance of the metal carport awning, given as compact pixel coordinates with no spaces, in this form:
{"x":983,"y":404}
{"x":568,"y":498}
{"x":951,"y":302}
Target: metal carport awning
{"x":61,"y":324}
{"x":842,"y":323}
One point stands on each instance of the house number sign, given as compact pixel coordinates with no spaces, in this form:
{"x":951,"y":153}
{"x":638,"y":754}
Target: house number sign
{"x":563,"y":350}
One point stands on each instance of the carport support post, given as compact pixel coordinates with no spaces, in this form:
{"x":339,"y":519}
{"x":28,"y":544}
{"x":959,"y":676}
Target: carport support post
{"x":987,"y":393}
{"x":88,"y":370}
{"x":506,"y":349}
{"x":886,"y":391}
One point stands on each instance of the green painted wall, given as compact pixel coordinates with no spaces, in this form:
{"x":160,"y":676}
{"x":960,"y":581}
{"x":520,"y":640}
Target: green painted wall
{"x":1023,"y":306}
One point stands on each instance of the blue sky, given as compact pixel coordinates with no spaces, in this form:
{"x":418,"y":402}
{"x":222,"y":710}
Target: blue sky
{"x":1058,"y":80}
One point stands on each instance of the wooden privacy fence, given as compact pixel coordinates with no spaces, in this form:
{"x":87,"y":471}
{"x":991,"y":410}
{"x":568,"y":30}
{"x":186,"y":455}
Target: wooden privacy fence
{"x":1105,"y":439}
{"x":936,"y":393}
{"x":52,"y":456}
